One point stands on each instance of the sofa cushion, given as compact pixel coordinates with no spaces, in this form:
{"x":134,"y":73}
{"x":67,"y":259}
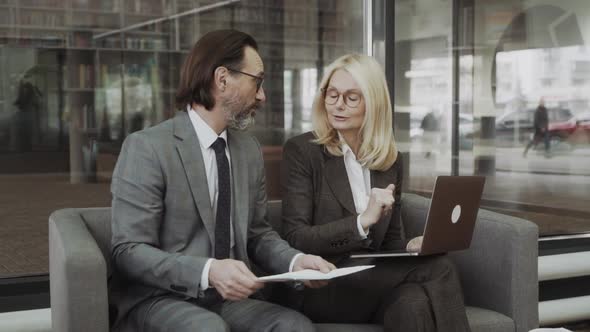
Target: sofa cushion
{"x":480,"y":320}
{"x":484,"y":320}
{"x":275,"y":210}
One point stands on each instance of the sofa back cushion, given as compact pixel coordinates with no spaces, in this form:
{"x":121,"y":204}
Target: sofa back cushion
{"x":275,"y":214}
{"x":98,"y":222}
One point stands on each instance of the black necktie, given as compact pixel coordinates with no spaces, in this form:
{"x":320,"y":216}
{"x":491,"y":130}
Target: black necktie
{"x":222,"y":222}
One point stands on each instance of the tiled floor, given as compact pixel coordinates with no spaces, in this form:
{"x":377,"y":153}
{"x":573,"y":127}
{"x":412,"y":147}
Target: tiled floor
{"x":25,"y":205}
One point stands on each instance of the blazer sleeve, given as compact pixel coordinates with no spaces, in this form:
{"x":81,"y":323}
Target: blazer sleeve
{"x":265,"y":247}
{"x":394,"y":236}
{"x":336,"y":237}
{"x":138,"y":189}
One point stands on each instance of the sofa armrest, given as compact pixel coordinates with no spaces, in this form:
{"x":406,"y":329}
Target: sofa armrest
{"x":499,"y":270}
{"x":77,"y":276}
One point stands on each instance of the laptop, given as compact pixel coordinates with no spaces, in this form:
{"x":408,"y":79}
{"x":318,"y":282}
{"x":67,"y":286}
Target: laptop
{"x":450,"y":220}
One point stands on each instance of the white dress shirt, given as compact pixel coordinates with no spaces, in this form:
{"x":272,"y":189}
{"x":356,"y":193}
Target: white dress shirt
{"x":207,"y":137}
{"x":359,"y":178}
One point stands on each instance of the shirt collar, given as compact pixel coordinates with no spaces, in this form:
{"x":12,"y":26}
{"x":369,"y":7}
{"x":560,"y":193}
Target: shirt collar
{"x":206,"y":135}
{"x":346,"y":150}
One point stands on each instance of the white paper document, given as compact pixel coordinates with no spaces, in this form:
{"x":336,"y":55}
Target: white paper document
{"x":304,"y":275}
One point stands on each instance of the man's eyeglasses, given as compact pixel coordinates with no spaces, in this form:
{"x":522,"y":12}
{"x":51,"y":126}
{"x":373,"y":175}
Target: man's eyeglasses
{"x":259,"y":79}
{"x":351,"y":98}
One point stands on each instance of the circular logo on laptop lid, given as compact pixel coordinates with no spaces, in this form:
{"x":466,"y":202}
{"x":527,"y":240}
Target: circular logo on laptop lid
{"x":456,"y":214}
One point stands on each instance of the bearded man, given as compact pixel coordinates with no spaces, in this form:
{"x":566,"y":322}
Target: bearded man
{"x":189,"y":207}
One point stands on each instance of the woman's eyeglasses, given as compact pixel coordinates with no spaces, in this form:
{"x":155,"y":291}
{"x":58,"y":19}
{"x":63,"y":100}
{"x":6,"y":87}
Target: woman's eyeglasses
{"x":352,"y":98}
{"x":259,"y":79}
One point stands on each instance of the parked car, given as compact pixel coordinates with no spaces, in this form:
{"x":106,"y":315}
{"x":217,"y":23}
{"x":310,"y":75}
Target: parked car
{"x":516,"y":128}
{"x":582,"y":135}
{"x":583,"y":121}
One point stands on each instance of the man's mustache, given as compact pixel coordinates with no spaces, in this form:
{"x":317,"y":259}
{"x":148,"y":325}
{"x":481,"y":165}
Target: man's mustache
{"x":252,"y":109}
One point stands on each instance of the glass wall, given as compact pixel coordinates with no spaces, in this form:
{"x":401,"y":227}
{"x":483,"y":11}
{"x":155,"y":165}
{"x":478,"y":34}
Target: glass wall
{"x":422,"y":93}
{"x":77,"y":76}
{"x":466,"y":99}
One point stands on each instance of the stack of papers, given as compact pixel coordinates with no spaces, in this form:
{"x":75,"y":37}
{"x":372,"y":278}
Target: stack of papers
{"x":305,"y":275}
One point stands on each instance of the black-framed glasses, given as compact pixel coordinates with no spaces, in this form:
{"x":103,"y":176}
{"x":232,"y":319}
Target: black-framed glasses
{"x":352,"y":98}
{"x":259,"y":79}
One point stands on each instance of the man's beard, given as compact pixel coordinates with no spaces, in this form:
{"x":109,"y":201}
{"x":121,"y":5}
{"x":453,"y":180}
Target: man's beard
{"x":238,"y":116}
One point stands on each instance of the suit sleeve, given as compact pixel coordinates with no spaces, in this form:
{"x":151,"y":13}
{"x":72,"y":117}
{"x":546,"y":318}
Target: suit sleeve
{"x":338,"y":236}
{"x":394,"y":236}
{"x":138,"y":188}
{"x":265,"y":247}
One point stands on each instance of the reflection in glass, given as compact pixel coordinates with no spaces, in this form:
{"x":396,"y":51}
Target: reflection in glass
{"x":512,"y":55}
{"x":78,"y":78}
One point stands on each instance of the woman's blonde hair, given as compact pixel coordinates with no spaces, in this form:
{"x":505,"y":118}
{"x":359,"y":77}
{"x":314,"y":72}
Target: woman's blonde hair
{"x":377,"y":150}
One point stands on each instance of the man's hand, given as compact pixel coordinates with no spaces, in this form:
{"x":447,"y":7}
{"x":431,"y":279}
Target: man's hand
{"x":415,"y":244}
{"x":313,"y":263}
{"x":380,"y":203}
{"x":232,"y":279}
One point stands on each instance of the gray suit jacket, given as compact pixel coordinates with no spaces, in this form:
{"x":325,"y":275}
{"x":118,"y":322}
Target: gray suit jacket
{"x":319,"y":215}
{"x":162,"y":219}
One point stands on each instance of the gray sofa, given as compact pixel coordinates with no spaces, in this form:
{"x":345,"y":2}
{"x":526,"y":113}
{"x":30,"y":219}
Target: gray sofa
{"x":498,"y":273}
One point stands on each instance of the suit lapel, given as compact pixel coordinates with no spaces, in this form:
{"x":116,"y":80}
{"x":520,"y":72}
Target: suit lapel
{"x":337,"y":179}
{"x":191,"y":158}
{"x":240,"y":199}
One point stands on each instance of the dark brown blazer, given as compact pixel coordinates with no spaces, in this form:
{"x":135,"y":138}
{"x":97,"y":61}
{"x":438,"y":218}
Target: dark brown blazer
{"x":319,"y":216}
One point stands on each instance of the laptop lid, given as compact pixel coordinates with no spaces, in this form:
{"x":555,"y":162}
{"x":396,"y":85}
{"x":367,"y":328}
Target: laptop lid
{"x":451,"y":217}
{"x":452,"y":214}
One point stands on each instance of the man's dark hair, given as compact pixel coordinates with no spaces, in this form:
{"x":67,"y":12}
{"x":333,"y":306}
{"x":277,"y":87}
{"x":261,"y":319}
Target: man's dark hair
{"x":214,"y":49}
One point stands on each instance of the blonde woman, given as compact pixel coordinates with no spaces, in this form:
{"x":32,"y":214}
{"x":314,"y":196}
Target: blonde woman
{"x":342,"y":193}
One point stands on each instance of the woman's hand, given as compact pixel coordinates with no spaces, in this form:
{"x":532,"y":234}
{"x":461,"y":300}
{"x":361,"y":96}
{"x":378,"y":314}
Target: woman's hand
{"x":415,"y":244}
{"x":380,"y":203}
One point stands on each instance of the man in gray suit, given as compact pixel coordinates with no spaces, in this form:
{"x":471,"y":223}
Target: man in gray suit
{"x":189,"y":207}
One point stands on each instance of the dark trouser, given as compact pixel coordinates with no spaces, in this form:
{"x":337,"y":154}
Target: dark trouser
{"x":173,"y":314}
{"x":536,"y":138}
{"x":403,"y":294}
{"x":546,"y":140}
